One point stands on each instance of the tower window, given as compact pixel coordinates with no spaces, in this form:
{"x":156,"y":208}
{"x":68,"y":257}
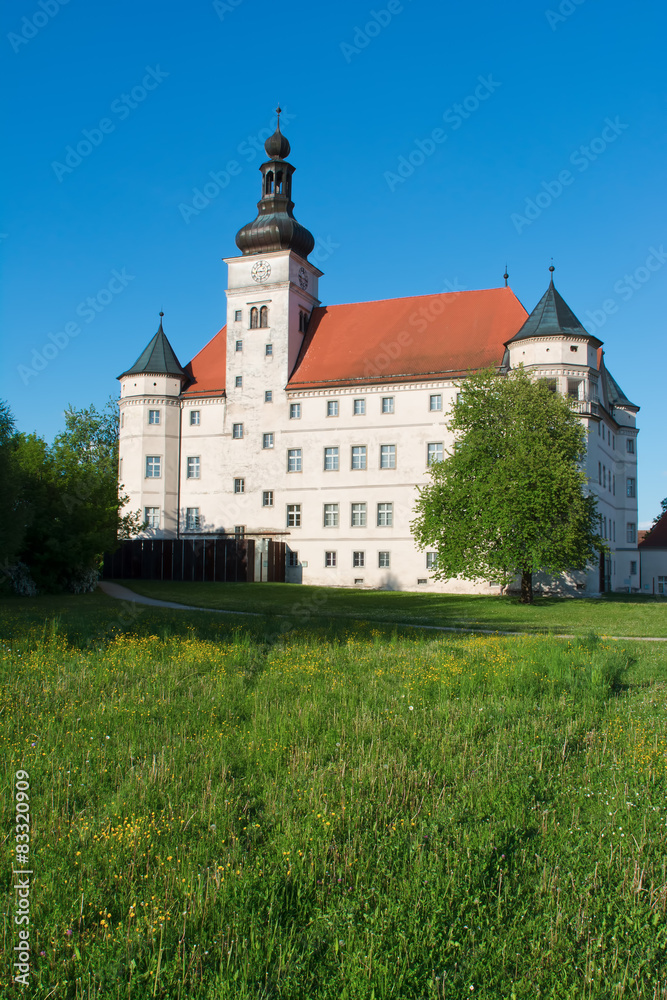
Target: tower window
{"x":267,"y":498}
{"x":237,"y":316}
{"x":303,"y":321}
{"x":268,"y":396}
{"x":268,"y":184}
{"x":238,"y":381}
{"x":193,"y":468}
{"x":239,"y":485}
{"x":239,"y":345}
{"x":435,"y":402}
{"x":237,"y":431}
{"x":153,"y":416}
{"x":268,"y":350}
{"x":152,"y":467}
{"x":254,"y":318}
{"x":279,"y":182}
{"x":295,"y":411}
{"x":194,"y":418}
{"x":264,"y":316}
{"x":630,"y":446}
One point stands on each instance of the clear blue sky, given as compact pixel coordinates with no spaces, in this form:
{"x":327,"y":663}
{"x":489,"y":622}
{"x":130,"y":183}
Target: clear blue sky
{"x":202,"y":80}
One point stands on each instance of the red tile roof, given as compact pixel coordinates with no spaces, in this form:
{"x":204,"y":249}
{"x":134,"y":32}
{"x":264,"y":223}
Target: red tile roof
{"x":207,"y":369}
{"x":656,"y":538}
{"x":420,"y":337}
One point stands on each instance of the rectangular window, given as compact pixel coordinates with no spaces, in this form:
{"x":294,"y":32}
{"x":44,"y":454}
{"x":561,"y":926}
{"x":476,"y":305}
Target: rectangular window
{"x":631,"y":532}
{"x":359,"y":407}
{"x":633,"y":568}
{"x":630,"y":446}
{"x":295,"y":411}
{"x":239,"y":345}
{"x":267,"y":498}
{"x":435,"y":402}
{"x":434,"y":452}
{"x":331,"y":515}
{"x":122,"y":420}
{"x":332,"y":408}
{"x":294,"y":460}
{"x":574,"y":386}
{"x":268,"y":350}
{"x":604,"y":476}
{"x":192,"y":518}
{"x":237,"y":431}
{"x":385,"y":515}
{"x":630,"y":487}
{"x":268,"y":396}
{"x":292,"y":558}
{"x":194,"y":418}
{"x":152,"y":516}
{"x":358,"y":560}
{"x":613,"y":441}
{"x":662,"y":585}
{"x":387,"y":404}
{"x":238,"y":315}
{"x":600,"y":473}
{"x":383,"y":560}
{"x":153,"y":416}
{"x":359,"y":456}
{"x":239,"y":485}
{"x":330,"y":560}
{"x":431,"y":560}
{"x":293,"y":515}
{"x":152,"y":467}
{"x":239,"y":530}
{"x":193,"y":468}
{"x":238,"y":382}
{"x":614,"y":485}
{"x":358,"y":515}
{"x":331,"y":459}
{"x":267,"y":440}
{"x":387,"y":456}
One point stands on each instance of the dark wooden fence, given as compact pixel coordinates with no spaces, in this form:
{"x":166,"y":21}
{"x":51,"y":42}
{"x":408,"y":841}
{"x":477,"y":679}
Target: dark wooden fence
{"x":219,"y":560}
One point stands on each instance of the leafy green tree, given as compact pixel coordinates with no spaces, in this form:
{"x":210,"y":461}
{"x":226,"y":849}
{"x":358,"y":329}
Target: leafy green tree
{"x":663,"y":510}
{"x":512,"y":498}
{"x":12,"y":517}
{"x":70,"y":501}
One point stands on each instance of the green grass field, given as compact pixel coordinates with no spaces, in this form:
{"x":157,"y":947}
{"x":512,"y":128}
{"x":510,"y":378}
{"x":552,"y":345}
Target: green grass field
{"x":615,"y":614}
{"x":319,"y":809}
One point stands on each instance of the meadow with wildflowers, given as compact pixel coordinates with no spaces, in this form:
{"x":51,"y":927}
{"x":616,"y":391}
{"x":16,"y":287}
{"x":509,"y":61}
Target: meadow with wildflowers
{"x":224,"y":808}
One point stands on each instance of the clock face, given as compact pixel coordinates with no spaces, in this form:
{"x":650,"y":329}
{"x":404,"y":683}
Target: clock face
{"x":303,"y":277}
{"x":261,"y":270}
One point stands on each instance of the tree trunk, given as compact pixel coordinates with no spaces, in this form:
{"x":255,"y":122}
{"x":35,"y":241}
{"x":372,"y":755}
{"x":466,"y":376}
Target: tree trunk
{"x":526,"y":587}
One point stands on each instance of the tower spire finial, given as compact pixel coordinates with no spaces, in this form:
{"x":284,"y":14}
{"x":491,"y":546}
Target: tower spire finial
{"x":552,"y":269}
{"x":278,"y":112}
{"x":505,"y":275}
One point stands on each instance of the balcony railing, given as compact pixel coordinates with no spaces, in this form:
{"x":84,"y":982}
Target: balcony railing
{"x":587,"y":407}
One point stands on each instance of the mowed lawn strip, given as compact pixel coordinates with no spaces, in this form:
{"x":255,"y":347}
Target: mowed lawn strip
{"x":614,"y":614}
{"x":220,"y":808}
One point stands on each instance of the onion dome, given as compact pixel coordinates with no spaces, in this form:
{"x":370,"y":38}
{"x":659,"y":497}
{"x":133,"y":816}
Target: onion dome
{"x":275,"y":227}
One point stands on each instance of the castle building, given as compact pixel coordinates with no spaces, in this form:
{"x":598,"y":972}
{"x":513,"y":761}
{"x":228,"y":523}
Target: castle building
{"x":315,"y":425}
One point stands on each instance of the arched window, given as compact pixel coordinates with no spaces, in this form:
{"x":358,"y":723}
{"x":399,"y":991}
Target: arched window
{"x":279,"y":182}
{"x":254,"y":318}
{"x":264,"y":316}
{"x":268,"y":187}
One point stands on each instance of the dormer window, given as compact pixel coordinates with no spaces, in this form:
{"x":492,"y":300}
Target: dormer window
{"x":254,"y":318}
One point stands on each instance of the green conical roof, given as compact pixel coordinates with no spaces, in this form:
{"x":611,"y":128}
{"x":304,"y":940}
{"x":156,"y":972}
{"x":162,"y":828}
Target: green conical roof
{"x":552,"y":317}
{"x":157,"y":358}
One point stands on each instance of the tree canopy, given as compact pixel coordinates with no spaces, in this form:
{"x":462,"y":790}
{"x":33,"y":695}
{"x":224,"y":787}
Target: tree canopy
{"x":64,"y":500}
{"x":512,"y":498}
